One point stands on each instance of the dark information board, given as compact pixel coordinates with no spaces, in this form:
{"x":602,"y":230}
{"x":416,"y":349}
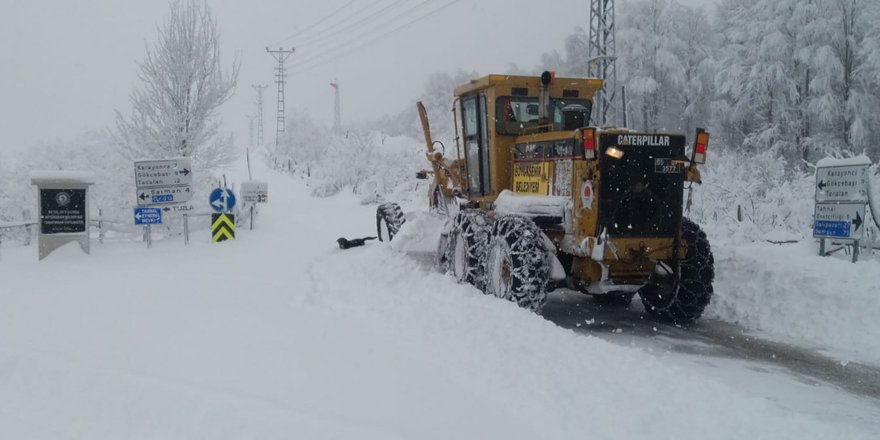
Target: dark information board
{"x":62,"y":211}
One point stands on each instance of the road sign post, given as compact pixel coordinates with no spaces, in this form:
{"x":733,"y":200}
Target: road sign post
{"x":164,"y":183}
{"x":222,"y":200}
{"x":222,"y":227}
{"x":841,"y":199}
{"x":253,"y":192}
{"x":148,"y":217}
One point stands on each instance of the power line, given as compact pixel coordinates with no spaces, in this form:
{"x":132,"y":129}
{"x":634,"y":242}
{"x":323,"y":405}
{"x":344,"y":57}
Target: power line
{"x":313,"y":25}
{"x":362,"y":39}
{"x":335,"y":53}
{"x":319,"y":39}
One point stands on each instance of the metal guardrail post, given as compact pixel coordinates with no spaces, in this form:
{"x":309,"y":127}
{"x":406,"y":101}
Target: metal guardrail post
{"x":29,"y":231}
{"x":185,"y":229}
{"x":100,"y":226}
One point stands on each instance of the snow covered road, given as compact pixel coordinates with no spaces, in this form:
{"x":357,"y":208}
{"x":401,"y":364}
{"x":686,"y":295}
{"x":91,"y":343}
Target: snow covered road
{"x":280,"y":334}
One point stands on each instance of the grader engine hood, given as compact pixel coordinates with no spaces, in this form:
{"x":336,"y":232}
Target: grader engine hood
{"x":642,"y":179}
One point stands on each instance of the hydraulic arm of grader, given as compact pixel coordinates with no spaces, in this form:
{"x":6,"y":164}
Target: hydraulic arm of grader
{"x":446,"y":176}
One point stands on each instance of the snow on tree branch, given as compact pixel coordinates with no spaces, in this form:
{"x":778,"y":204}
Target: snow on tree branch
{"x":183,"y":83}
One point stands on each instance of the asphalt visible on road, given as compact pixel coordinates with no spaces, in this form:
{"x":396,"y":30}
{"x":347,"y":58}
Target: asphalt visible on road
{"x":706,"y":337}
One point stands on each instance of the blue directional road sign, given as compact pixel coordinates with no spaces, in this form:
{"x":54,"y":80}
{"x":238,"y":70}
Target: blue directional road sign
{"x":222,"y":200}
{"x":147,"y":216}
{"x":839,"y":220}
{"x":829,"y":229}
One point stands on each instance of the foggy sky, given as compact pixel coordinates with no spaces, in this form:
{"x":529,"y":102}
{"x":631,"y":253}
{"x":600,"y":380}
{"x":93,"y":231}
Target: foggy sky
{"x":68,"y":65}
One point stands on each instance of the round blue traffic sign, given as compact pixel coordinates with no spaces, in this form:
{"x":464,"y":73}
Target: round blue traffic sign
{"x":222,"y":200}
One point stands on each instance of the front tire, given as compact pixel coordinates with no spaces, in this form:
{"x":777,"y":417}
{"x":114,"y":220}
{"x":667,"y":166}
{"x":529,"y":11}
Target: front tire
{"x":682,"y":301}
{"x":516,"y":265}
{"x":392,"y":216}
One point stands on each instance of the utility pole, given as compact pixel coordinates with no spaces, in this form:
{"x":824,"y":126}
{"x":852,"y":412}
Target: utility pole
{"x":281,"y":55}
{"x":603,"y":59}
{"x":337,"y":111}
{"x":259,"y":103}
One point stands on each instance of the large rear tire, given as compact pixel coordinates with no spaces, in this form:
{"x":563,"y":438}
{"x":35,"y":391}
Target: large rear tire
{"x":464,"y":250}
{"x":682,"y":301}
{"x":516,"y":265}
{"x":392,"y":217}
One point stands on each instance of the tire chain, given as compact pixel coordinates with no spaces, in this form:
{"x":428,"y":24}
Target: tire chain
{"x":529,"y":271}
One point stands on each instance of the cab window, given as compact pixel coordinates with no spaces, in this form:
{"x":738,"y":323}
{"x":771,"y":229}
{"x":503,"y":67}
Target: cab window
{"x":516,"y":115}
{"x":473,"y":114}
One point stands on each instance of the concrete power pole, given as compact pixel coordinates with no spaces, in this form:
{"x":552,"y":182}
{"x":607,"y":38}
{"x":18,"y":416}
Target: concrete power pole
{"x":281,"y":55}
{"x":259,"y":104}
{"x":337,"y":110}
{"x":603,"y":59}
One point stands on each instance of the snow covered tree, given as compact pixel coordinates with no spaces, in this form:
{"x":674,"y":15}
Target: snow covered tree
{"x":869,"y":74}
{"x":577,"y":53}
{"x":695,"y":49}
{"x":649,"y":65}
{"x":174,"y":111}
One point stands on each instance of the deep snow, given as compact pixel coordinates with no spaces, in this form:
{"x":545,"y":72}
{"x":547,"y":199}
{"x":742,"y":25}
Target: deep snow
{"x":280,"y":334}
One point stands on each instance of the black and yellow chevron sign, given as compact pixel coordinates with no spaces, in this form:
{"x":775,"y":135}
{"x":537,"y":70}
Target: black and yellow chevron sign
{"x":222,"y":227}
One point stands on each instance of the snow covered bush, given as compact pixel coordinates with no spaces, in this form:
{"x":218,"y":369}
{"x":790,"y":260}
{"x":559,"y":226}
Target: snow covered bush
{"x":750,"y":195}
{"x":372,"y":164}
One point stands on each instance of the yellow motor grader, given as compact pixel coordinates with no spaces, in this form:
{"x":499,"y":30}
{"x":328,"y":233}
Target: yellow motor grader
{"x":538,"y":198}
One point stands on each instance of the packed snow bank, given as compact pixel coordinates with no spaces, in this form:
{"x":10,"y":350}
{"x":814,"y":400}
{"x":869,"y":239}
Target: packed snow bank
{"x":280,"y":334}
{"x":791,"y":293}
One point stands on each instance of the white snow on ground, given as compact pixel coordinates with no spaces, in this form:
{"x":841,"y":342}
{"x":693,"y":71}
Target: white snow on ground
{"x":792,"y":294}
{"x":280,"y":334}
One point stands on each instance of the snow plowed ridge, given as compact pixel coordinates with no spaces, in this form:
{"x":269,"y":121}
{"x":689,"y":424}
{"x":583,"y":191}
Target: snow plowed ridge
{"x":791,"y":293}
{"x":280,"y":334}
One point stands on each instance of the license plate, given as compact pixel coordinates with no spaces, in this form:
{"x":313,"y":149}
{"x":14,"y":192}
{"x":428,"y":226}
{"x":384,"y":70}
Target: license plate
{"x":665,"y":165}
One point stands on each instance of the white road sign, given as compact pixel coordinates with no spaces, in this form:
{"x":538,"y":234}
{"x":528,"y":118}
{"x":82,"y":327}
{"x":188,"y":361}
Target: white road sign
{"x":181,"y":208}
{"x":163,"y":182}
{"x":163,"y":195}
{"x":168,"y":172}
{"x":839,"y":220}
{"x":254,"y":191}
{"x":842,"y":184}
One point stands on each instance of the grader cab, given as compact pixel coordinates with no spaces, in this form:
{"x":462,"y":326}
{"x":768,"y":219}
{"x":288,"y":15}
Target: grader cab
{"x":538,"y":197}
